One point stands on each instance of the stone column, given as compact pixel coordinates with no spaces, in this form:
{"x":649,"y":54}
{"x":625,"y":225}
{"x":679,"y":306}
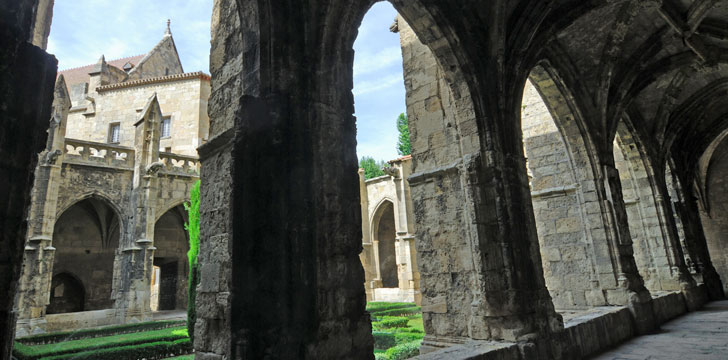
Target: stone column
{"x":35,"y":284}
{"x":695,"y":297}
{"x":137,"y":248}
{"x":367,"y":254}
{"x":27,"y":77}
{"x":695,"y":238}
{"x":631,"y":290}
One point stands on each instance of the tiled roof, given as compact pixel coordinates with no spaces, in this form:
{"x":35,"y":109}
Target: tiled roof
{"x":80,"y":74}
{"x":154,"y":80}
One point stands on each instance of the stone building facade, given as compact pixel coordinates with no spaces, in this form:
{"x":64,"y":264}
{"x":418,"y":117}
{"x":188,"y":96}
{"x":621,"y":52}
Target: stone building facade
{"x":389,"y":257}
{"x":106,"y":222}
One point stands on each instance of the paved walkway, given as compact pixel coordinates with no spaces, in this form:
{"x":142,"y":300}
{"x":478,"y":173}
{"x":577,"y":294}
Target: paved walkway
{"x":700,"y":335}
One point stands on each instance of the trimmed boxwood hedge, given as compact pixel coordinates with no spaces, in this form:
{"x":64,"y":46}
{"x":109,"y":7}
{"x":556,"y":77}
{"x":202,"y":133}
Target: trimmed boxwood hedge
{"x":411,"y":310}
{"x":24,"y":352}
{"x":97,"y":332}
{"x":404,"y":351}
{"x":148,"y":351}
{"x":379,"y":306}
{"x":386,"y":340}
{"x":391,"y":322}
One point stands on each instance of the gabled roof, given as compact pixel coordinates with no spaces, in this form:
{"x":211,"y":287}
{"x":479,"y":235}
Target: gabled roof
{"x":80,"y":74}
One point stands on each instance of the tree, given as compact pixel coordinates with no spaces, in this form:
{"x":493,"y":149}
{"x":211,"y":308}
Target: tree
{"x":403,"y":145}
{"x":193,"y":228}
{"x":372,"y":168}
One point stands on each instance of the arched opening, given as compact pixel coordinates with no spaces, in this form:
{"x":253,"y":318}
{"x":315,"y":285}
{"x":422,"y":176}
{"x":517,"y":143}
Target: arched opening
{"x":557,"y":204}
{"x":384,"y":240}
{"x":169,"y":279}
{"x":714,"y":216}
{"x":86,"y":238}
{"x":654,"y":252}
{"x":67,"y":294}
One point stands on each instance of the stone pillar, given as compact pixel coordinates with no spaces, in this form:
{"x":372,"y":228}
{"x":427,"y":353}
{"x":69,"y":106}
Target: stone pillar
{"x":631,"y":290}
{"x":137,"y":248}
{"x":695,"y":238}
{"x":27,"y":77}
{"x":35,"y":284}
{"x":367,"y":255}
{"x":695,"y":297}
{"x":409,"y":281}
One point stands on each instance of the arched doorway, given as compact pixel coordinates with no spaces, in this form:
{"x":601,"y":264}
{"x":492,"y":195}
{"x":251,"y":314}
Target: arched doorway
{"x":67,"y":294}
{"x":169,"y":279}
{"x":86,"y":238}
{"x":385,"y":234}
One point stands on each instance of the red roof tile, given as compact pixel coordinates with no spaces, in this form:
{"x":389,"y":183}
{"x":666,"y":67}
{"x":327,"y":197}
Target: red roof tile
{"x":80,"y":74}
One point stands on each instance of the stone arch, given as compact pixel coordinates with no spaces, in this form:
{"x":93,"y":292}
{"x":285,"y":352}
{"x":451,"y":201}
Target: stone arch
{"x":67,"y":294}
{"x":714,"y":207}
{"x":86,"y":238}
{"x":95,"y":194}
{"x":295,"y":107}
{"x":171,"y":243}
{"x":655,"y":238}
{"x":565,"y":196}
{"x":169,"y":205}
{"x":384,"y":234}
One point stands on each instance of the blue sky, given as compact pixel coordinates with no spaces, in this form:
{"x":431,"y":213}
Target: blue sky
{"x":83,"y":30}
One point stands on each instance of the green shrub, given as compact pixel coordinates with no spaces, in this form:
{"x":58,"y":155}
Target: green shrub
{"x":383,"y":339}
{"x":149,"y":351}
{"x":193,"y":228}
{"x":404,"y":351}
{"x":398,"y":312}
{"x":24,"y":352}
{"x":391,"y":322}
{"x":380,"y":356}
{"x":98,"y":332}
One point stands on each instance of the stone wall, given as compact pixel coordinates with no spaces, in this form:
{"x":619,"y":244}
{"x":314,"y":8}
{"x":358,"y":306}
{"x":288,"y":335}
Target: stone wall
{"x":557,"y":206}
{"x":183,"y":100}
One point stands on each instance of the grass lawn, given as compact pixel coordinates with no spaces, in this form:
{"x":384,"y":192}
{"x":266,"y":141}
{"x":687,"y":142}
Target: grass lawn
{"x":122,"y":346}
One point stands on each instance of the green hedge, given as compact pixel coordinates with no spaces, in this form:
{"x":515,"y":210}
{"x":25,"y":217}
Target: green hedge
{"x":411,"y":310}
{"x":391,"y":322}
{"x":379,"y":306}
{"x":25,"y":352}
{"x":148,"y":351}
{"x":98,"y":332}
{"x":386,"y":340}
{"x":404,"y":351}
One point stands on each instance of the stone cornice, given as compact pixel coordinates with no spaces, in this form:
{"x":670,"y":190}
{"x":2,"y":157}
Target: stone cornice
{"x":155,"y":80}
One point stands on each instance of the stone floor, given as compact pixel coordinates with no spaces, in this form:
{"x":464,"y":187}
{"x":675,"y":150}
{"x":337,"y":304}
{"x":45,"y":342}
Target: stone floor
{"x":699,"y":335}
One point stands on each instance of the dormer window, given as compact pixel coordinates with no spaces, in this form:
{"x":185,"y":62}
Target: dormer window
{"x":128,"y":66}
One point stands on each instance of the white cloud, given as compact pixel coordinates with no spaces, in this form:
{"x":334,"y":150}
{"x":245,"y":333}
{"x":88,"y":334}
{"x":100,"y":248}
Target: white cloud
{"x":369,"y":62}
{"x":370,"y":86}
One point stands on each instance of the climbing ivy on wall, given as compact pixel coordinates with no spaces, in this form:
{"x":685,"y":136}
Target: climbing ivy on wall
{"x":193,"y":228}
